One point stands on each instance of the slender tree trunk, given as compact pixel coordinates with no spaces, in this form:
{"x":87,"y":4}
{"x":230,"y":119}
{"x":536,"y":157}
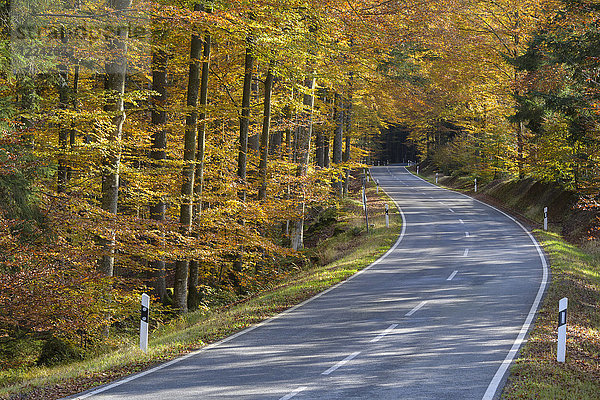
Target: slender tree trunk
{"x":180,"y":290}
{"x":158,"y":153}
{"x":338,"y":143}
{"x":346,"y":156}
{"x":264,"y":137}
{"x":319,"y":151}
{"x":520,"y":145}
{"x":64,"y":130}
{"x":193,"y":294}
{"x":304,"y":138}
{"x":245,"y":117}
{"x":116,"y":69}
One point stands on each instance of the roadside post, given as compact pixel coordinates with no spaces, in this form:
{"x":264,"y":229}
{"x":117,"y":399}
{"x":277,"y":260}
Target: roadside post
{"x":475,"y":185}
{"x":562,"y":330}
{"x":417,"y":170}
{"x":144,"y":322}
{"x":436,"y":178}
{"x":387,"y":216}
{"x":545,"y":218}
{"x":377,"y":184}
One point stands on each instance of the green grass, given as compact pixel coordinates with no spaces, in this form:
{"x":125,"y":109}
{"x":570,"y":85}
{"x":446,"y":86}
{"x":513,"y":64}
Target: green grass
{"x":342,"y":256}
{"x":536,"y":373}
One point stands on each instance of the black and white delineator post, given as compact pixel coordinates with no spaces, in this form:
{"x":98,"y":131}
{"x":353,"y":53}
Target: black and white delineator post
{"x":561,"y":349}
{"x":475,"y":185}
{"x":436,"y":178}
{"x":417,"y":170}
{"x":145,"y":311}
{"x":545,"y":218}
{"x":377,"y":183}
{"x":387,"y":216}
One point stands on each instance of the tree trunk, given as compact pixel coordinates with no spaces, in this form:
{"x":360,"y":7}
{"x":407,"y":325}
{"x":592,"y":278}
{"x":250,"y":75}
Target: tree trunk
{"x":245,"y":117}
{"x":200,"y":156}
{"x":194,"y":295}
{"x":116,"y":69}
{"x":304,"y":138}
{"x":64,"y":130}
{"x":158,"y":153}
{"x":180,"y":289}
{"x":338,"y":143}
{"x":264,"y":137}
{"x":346,"y":156}
{"x":520,"y":145}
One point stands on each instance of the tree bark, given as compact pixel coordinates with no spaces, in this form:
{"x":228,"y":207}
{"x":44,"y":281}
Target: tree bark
{"x":116,"y":69}
{"x":304,"y":138}
{"x":338,"y":143}
{"x":193,"y":294}
{"x":245,"y":117}
{"x":346,"y":156}
{"x":158,"y":153}
{"x":264,"y":137}
{"x":180,"y":289}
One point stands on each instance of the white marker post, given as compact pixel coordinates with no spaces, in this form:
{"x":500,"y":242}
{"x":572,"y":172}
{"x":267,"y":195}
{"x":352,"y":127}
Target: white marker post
{"x":475,"y":185}
{"x":545,"y":218}
{"x":387,"y":216}
{"x":417,"y":170}
{"x":144,"y":322}
{"x":436,"y":178}
{"x":562,"y":330}
{"x":377,"y":183}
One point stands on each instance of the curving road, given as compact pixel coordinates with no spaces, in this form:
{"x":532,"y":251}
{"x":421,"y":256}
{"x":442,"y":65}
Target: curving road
{"x":440,"y":316}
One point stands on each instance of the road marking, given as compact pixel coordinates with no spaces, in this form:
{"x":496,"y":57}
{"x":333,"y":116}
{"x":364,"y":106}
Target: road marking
{"x":461,"y":221}
{"x":467,"y":234}
{"x":452,"y":276}
{"x":417,"y":308}
{"x":292,"y":394}
{"x":498,"y":377}
{"x":382,"y":334}
{"x":341,"y":363}
{"x":466,"y":253}
{"x":451,"y":210}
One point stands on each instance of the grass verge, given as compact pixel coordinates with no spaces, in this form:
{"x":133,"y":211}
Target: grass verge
{"x":536,"y":374}
{"x":344,"y":254}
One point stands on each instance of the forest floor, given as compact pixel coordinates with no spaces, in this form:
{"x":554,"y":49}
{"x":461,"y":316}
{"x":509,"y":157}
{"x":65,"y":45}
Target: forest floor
{"x":336,"y":255}
{"x":575,"y":274}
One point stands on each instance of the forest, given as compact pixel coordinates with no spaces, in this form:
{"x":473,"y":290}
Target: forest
{"x":178,"y":147}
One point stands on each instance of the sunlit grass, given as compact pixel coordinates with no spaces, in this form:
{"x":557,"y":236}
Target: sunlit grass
{"x":350,"y":251}
{"x":537,"y":374}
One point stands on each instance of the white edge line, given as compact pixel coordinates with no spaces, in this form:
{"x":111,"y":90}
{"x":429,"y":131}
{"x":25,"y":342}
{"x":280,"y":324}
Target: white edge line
{"x":466,"y":253}
{"x":384,"y":333}
{"x":499,"y":376}
{"x":249,"y":329}
{"x":452,"y":275}
{"x":341,"y":363}
{"x":293,"y":393}
{"x":417,"y":308}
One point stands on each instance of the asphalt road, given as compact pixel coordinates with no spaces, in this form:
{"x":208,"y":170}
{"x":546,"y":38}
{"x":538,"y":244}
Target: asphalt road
{"x":440,"y":316}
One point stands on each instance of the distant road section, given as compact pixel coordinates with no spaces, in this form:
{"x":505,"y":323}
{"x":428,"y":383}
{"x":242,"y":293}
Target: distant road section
{"x":440,"y":316}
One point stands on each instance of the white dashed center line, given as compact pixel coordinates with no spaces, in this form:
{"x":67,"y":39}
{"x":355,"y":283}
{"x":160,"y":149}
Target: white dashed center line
{"x":452,"y":276}
{"x":341,"y":363}
{"x":294,"y":393}
{"x":466,"y":253}
{"x":417,"y":308}
{"x":382,"y":334}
